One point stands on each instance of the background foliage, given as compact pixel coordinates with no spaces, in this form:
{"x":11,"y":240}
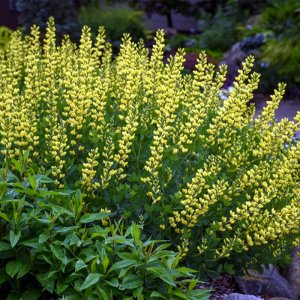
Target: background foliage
{"x":111,"y":17}
{"x":282,"y":19}
{"x":39,"y":11}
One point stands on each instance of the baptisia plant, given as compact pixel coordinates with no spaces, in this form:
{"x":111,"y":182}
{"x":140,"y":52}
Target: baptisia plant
{"x":154,"y":145}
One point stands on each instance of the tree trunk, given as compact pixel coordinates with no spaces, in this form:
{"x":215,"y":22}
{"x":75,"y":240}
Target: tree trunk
{"x":169,"y":19}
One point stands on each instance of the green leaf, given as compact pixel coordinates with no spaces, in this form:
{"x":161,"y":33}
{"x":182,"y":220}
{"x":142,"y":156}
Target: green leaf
{"x":57,"y":209}
{"x":72,"y":297}
{"x":180,"y":294}
{"x":157,"y":295}
{"x":192,"y":284}
{"x":17,"y":267}
{"x":80,"y":264}
{"x":4,"y":246}
{"x":25,"y":268}
{"x":178,"y":195}
{"x":44,"y":194}
{"x":64,"y":230}
{"x":32,"y":181}
{"x":161,"y":247}
{"x":229,"y":268}
{"x":131,"y":281}
{"x":114,"y":282}
{"x":3,"y":275}
{"x":43,"y":179}
{"x":160,"y":254}
{"x":58,"y":251}
{"x":124,"y":271}
{"x":88,"y":218}
{"x":4,"y":217}
{"x":31,"y":294}
{"x":92,"y":297}
{"x":52,"y":273}
{"x":122,"y":264}
{"x":26,"y":191}
{"x":162,"y":273}
{"x":61,"y":287}
{"x":103,"y":294}
{"x":136,"y":233}
{"x":199,"y":294}
{"x":104,"y":259}
{"x":72,"y":239}
{"x":13,"y":296}
{"x":35,"y":244}
{"x":138,"y":293}
{"x":90,"y":280}
{"x":186,"y":271}
{"x":125,"y":255}
{"x":43,"y":237}
{"x":14,"y":238}
{"x":17,"y":165}
{"x":13,"y":267}
{"x":77,"y":285}
{"x":46,"y":282}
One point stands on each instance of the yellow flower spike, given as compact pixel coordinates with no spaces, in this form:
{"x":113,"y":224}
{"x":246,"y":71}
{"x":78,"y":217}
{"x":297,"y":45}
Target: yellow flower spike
{"x":168,"y":102}
{"x":89,"y":171}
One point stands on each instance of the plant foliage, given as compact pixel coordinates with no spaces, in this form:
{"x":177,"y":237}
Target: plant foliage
{"x":52,"y":243}
{"x":110,"y":18}
{"x":282,"y":19}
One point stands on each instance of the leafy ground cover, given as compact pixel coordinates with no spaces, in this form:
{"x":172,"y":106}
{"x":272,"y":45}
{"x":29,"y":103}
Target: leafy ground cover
{"x":53,"y":243}
{"x":120,"y":176}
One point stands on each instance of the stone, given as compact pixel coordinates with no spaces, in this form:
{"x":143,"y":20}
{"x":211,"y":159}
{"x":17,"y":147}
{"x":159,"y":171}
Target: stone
{"x":278,"y":298}
{"x":269,"y":284}
{"x":237,"y":296}
{"x":234,"y":58}
{"x":293,"y":271}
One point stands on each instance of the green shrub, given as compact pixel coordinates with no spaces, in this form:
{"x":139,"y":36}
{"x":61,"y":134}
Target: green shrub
{"x":282,"y":19}
{"x":52,"y":241}
{"x":152,"y":145}
{"x":115,"y":19}
{"x":219,"y":31}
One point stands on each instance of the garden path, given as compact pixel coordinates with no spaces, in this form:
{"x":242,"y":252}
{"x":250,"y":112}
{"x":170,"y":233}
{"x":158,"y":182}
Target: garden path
{"x":287,"y":109}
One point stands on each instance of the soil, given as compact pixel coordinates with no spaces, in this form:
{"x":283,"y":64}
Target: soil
{"x":221,"y":286}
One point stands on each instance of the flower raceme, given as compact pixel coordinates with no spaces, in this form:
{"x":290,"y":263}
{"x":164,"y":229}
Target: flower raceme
{"x":201,"y":167}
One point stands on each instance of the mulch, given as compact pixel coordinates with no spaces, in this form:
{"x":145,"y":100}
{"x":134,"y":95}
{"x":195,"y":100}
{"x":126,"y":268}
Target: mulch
{"x":221,"y":286}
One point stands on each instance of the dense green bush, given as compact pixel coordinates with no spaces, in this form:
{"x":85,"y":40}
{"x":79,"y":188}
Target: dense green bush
{"x":282,"y":19}
{"x":52,"y":241}
{"x":154,"y":146}
{"x":115,"y":19}
{"x":219,"y":30}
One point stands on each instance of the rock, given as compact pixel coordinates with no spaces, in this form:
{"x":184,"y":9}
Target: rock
{"x":278,"y":298}
{"x":237,"y":296}
{"x":270,"y":283}
{"x":234,"y":58}
{"x":169,"y":32}
{"x":293,"y":271}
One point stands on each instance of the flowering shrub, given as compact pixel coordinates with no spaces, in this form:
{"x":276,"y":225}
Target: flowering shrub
{"x":153,"y":145}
